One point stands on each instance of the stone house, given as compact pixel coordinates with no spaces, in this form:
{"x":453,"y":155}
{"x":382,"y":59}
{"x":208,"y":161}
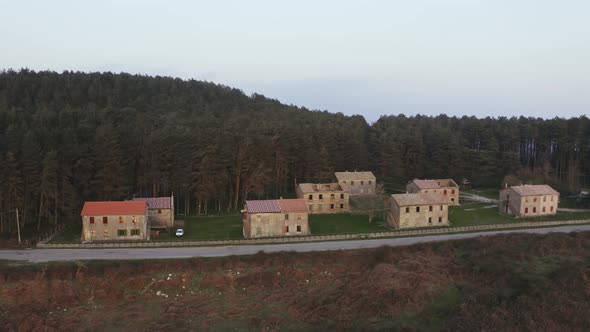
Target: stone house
{"x":115,"y":221}
{"x":361,"y":183}
{"x":528,"y":201}
{"x":325,"y":197}
{"x":160,"y":211}
{"x":274,"y":218}
{"x":417,"y":210}
{"x":446,"y":187}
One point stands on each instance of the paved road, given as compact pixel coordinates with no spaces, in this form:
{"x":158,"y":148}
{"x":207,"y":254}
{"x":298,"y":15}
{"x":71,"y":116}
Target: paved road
{"x":45,"y":255}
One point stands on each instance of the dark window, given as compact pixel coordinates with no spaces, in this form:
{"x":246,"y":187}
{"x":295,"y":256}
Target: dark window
{"x":362,"y":183}
{"x":429,"y":220}
{"x":439,"y":219}
{"x":135,"y":232}
{"x":286,"y":229}
{"x":332,"y":196}
{"x":526,"y":210}
{"x":417,"y":209}
{"x":286,"y":216}
{"x":352,"y":183}
{"x":105,"y":220}
{"x":534,"y":210}
{"x":430,"y":208}
{"x":370,"y":181}
{"x":342,"y":206}
{"x":121,"y":220}
{"x":407,"y":210}
{"x":332,"y":206}
{"x":551,"y":209}
{"x":310,"y":197}
{"x":342,"y":196}
{"x":321,"y":196}
{"x":159,"y":211}
{"x":453,"y":191}
{"x":92,"y":220}
{"x":298,"y":228}
{"x":121,"y":232}
{"x":445,"y":191}
{"x":441,"y":207}
{"x":544,"y":209}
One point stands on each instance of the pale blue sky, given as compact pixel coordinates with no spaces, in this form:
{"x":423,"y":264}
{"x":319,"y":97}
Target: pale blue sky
{"x":459,"y":57}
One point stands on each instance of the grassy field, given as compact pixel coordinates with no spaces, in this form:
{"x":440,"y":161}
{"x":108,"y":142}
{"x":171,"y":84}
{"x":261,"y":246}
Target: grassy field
{"x":224,"y":227}
{"x":322,"y":224}
{"x":471,"y":213}
{"x":491,"y":193}
{"x":71,"y":234}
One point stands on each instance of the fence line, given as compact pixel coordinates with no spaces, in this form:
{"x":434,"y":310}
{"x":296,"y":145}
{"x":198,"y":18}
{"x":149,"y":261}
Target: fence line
{"x":315,"y":238}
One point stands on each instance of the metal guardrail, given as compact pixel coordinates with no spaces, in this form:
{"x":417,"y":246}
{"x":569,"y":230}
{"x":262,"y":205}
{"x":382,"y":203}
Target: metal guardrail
{"x":316,"y":238}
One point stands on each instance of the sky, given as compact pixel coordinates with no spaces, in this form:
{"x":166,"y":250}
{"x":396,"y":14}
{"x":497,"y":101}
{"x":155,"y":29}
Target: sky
{"x":457,"y":57}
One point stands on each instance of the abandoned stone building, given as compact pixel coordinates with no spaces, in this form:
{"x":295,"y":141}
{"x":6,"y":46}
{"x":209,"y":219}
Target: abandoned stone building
{"x":160,"y":211}
{"x":528,"y":201}
{"x":446,"y":187}
{"x":273,"y":218}
{"x":361,"y":183}
{"x":417,"y":210}
{"x":115,"y":221}
{"x":325,"y":197}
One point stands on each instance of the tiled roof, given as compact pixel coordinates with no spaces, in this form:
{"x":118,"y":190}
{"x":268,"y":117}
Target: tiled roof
{"x":276,"y":206}
{"x":344,"y":176}
{"x":426,"y":184}
{"x":114,"y":208}
{"x":534,"y":190}
{"x":420,"y":199}
{"x":263,"y":206}
{"x":156,"y":202}
{"x":293,"y":205}
{"x":323,"y":187}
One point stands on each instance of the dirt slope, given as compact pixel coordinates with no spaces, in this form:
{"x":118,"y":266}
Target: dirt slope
{"x":511,"y":282}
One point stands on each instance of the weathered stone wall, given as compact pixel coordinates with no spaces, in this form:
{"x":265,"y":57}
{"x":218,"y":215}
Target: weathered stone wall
{"x":161,"y":217}
{"x":417,"y":215}
{"x":527,"y":206}
{"x":360,"y":187}
{"x":99,"y":231}
{"x":261,"y":225}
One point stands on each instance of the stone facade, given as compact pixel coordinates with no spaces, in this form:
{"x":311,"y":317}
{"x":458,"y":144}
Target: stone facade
{"x":325,"y":197}
{"x":111,"y":224}
{"x":160,"y":211}
{"x":417,"y":210}
{"x":361,"y":183}
{"x":446,"y":187}
{"x":272,"y":218}
{"x":257,"y":225}
{"x":528,"y":201}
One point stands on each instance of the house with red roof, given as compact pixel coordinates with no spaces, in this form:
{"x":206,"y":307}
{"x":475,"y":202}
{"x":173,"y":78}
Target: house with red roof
{"x":446,"y":187}
{"x":274,"y":218}
{"x":160,"y":211}
{"x":115,"y":221}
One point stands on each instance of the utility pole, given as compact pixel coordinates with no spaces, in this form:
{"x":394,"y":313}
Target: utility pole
{"x":17,"y":226}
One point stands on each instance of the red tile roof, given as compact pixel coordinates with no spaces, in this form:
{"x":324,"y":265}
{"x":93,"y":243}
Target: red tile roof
{"x":263,"y":206}
{"x":114,"y":208}
{"x":426,"y":184}
{"x":276,"y":206}
{"x":293,"y":205}
{"x":534,"y":190}
{"x":156,"y":202}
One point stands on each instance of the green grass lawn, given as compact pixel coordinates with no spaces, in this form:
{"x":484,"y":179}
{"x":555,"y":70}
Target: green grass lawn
{"x":322,"y":224}
{"x":71,"y":234}
{"x":470,"y":214}
{"x":223,"y":227}
{"x":491,"y":193}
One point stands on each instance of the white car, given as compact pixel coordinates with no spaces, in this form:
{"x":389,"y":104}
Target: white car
{"x":180,"y":232}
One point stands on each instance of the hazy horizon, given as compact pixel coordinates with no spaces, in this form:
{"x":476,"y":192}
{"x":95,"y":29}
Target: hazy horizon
{"x":460,"y":57}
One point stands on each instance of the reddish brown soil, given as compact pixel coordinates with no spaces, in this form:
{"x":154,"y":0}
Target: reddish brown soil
{"x":512,"y":282}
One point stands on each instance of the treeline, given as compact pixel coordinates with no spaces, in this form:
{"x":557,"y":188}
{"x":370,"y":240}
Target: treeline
{"x":70,"y":137}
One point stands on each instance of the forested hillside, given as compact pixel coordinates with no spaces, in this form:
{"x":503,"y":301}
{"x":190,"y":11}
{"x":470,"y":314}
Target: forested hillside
{"x":70,"y":137}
